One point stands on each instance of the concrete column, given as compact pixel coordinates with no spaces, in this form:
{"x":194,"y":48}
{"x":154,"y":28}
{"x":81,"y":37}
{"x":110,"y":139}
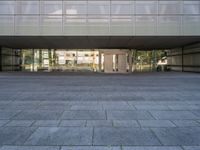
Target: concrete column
{"x":100,"y":61}
{"x":130,"y":61}
{"x":33,"y":60}
{"x":182,"y":59}
{"x":108,"y":64}
{"x":122,"y":63}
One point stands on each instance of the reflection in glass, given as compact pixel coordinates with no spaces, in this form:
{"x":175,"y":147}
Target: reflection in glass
{"x":60,"y":60}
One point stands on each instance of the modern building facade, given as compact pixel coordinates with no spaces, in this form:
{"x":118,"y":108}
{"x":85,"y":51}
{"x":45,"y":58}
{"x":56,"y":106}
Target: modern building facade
{"x":111,"y":25}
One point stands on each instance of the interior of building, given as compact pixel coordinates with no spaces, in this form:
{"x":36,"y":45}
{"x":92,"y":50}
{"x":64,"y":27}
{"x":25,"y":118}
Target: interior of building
{"x":81,"y":60}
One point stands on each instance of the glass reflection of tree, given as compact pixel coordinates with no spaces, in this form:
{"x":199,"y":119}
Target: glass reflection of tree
{"x":147,"y":60}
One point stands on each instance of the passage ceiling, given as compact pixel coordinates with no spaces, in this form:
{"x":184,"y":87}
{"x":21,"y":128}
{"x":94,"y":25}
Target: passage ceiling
{"x":101,"y":42}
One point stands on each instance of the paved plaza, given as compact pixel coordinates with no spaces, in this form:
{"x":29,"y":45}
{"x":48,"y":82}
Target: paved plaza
{"x":91,"y":111}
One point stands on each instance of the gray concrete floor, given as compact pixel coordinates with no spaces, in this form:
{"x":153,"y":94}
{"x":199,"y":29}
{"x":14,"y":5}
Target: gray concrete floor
{"x":87,"y":111}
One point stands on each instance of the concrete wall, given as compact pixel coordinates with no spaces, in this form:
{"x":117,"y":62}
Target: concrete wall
{"x":185,"y":59}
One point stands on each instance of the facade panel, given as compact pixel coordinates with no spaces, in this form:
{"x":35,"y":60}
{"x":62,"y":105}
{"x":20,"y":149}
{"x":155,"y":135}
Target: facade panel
{"x":100,"y":17}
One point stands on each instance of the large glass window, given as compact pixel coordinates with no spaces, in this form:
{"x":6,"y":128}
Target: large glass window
{"x":28,"y":7}
{"x":75,"y":7}
{"x":191,"y":7}
{"x":169,"y":7}
{"x":146,"y":7}
{"x":99,"y":7}
{"x":7,"y":7}
{"x":10,"y":59}
{"x":121,"y":7}
{"x":51,"y":7}
{"x":59,"y":60}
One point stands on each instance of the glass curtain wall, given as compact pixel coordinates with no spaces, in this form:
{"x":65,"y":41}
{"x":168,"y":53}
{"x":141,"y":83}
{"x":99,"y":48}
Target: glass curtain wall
{"x":59,"y":60}
{"x":48,"y":60}
{"x":144,"y":61}
{"x":10,"y":59}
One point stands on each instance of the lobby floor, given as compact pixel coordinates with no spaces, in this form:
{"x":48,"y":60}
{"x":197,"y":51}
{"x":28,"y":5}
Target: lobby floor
{"x":90,"y":111}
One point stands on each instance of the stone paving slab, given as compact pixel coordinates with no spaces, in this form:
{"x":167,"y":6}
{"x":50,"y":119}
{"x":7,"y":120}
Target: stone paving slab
{"x":151,"y":107}
{"x":184,"y":107}
{"x":156,"y":123}
{"x":30,"y":148}
{"x":8,"y":114}
{"x":23,"y":105}
{"x":90,"y":148}
{"x":3,"y":105}
{"x":39,"y":115}
{"x":99,"y":123}
{"x":124,"y":136}
{"x":14,"y":135}
{"x":178,"y":136}
{"x":118,"y":107}
{"x":18,"y":123}
{"x":152,"y":148}
{"x":173,"y":115}
{"x":56,"y":107}
{"x":84,"y":103}
{"x":52,"y":136}
{"x":125,"y":123}
{"x":86,"y":107}
{"x":3,"y":122}
{"x":186,"y":123}
{"x":196,"y":112}
{"x":191,"y":147}
{"x":129,"y":115}
{"x":84,"y":115}
{"x":142,"y":111}
{"x":46,"y":123}
{"x":114,"y":103}
{"x":73,"y":123}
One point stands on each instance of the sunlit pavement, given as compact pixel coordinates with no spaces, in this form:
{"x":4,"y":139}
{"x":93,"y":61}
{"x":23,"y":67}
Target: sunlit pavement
{"x":89,"y":111}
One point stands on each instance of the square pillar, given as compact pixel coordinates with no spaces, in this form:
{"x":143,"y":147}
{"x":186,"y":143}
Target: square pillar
{"x":130,"y":61}
{"x":182,"y":59}
{"x":100,"y":61}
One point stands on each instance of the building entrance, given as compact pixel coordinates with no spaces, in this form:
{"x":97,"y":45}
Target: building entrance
{"x":116,"y":61}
